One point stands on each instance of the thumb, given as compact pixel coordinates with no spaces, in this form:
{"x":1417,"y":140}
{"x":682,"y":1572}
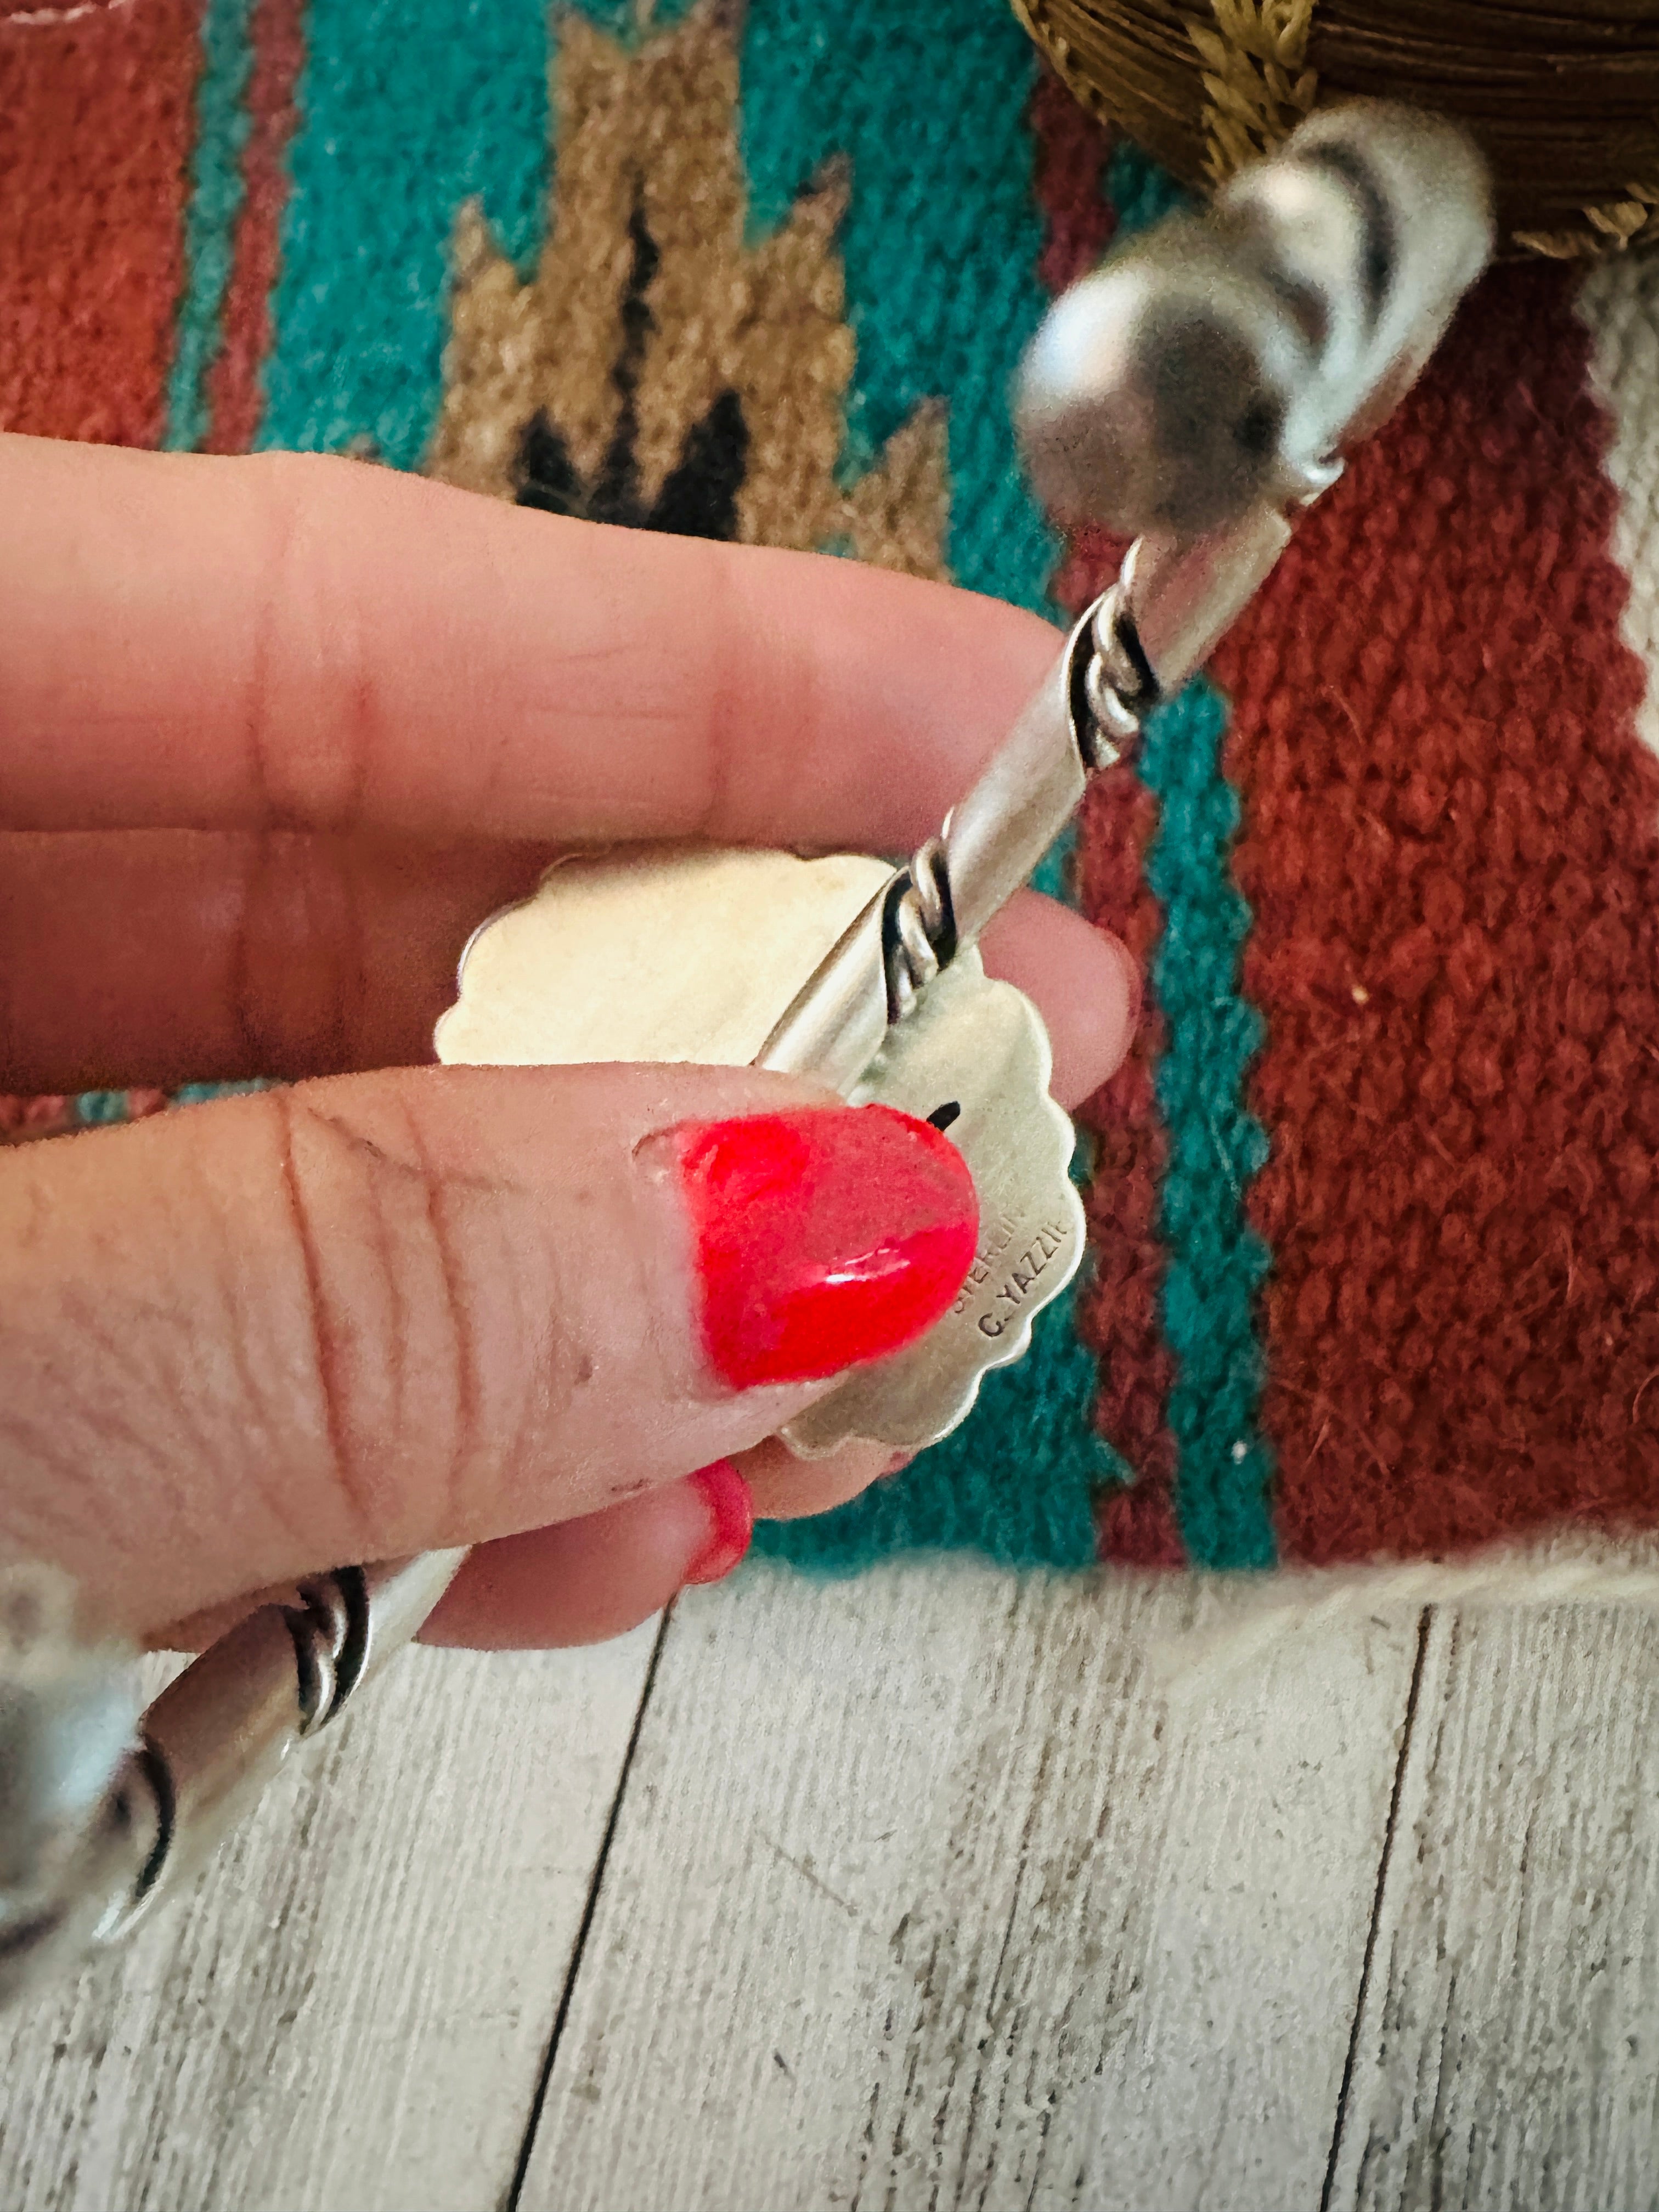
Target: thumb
{"x":363,"y":1317}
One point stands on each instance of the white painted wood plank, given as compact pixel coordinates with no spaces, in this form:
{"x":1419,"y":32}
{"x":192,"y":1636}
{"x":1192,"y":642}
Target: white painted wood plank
{"x":1619,"y":302}
{"x":1507,"y":2054}
{"x":351,"y":2012}
{"x":920,"y":1896}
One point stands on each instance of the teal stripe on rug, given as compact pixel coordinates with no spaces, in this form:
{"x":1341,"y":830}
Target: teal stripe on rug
{"x":940,"y":241}
{"x":632,"y":21}
{"x":1224,"y":1468}
{"x":98,"y":1109}
{"x":210,"y":214}
{"x":1140,"y":193}
{"x":1215,"y":1260}
{"x":408,"y":108}
{"x":1014,"y":1483}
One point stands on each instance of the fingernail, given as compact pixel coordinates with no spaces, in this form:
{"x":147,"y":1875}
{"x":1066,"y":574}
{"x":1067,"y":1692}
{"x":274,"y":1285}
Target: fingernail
{"x":824,"y":1236}
{"x":731,"y":1521}
{"x":1132,"y":981}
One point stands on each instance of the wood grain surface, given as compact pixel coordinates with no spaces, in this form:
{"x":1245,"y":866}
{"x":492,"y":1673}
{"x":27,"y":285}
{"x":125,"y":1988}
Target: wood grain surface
{"x":915,"y":1891}
{"x":983,"y":1922}
{"x":1507,"y":2051}
{"x":352,"y":2008}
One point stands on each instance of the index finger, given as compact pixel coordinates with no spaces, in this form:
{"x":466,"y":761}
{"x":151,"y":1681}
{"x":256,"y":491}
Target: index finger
{"x":198,"y":643}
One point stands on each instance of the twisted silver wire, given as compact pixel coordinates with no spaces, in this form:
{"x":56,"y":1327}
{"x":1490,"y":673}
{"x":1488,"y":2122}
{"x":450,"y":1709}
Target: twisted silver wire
{"x":320,"y":1627}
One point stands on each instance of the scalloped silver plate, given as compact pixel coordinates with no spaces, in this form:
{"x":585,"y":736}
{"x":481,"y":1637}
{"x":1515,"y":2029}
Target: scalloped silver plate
{"x":636,"y":954}
{"x":659,"y":952}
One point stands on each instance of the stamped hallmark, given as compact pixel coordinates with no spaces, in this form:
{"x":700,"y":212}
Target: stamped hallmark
{"x":1050,"y":1244}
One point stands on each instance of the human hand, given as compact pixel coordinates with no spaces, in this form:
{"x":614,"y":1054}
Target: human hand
{"x":275,"y":735}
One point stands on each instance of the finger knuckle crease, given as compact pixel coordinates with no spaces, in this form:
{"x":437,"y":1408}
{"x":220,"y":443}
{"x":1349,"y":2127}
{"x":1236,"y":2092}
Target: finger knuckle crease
{"x":722,"y":719}
{"x":308,"y":757}
{"x":390,"y":1328}
{"x":297,"y":958}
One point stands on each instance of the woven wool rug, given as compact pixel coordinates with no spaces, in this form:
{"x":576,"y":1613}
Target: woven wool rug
{"x":1374,"y":1223}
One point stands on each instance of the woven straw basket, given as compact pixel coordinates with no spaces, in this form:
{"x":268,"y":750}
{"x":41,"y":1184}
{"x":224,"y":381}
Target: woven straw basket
{"x":1563,"y":98}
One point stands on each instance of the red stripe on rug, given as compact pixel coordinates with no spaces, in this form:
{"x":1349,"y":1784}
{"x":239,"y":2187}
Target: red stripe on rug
{"x":1451,"y":847}
{"x":97,"y":119}
{"x":1118,"y":1314}
{"x":1071,"y":150}
{"x":235,"y":399}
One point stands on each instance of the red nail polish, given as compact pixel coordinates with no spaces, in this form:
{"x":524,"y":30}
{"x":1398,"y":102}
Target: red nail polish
{"x":732,"y":1521}
{"x":824,"y":1236}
